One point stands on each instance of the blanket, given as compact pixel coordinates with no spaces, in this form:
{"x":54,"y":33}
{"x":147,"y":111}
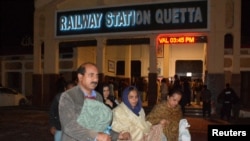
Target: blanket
{"x":95,"y":115}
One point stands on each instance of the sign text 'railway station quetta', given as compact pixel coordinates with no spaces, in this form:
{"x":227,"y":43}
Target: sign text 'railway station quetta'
{"x":148,"y":17}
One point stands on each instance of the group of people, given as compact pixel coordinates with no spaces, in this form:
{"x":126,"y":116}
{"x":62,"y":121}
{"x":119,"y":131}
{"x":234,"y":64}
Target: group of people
{"x":86,"y":114}
{"x":227,"y":97}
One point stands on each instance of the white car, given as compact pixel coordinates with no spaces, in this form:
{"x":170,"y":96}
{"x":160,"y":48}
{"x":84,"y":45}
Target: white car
{"x":10,"y":97}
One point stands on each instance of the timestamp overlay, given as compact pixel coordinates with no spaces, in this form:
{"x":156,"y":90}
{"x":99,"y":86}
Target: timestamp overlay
{"x":241,"y":132}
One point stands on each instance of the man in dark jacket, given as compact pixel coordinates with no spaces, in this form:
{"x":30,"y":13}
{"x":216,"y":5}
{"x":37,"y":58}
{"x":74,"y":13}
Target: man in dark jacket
{"x":54,"y":120}
{"x":227,"y":98}
{"x":206,"y":101}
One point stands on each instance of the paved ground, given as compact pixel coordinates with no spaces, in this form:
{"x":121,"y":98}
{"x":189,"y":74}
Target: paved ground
{"x":32,"y":125}
{"x":24,"y":125}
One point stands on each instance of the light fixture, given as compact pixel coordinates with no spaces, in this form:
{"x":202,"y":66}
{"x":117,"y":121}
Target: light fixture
{"x":189,"y":74}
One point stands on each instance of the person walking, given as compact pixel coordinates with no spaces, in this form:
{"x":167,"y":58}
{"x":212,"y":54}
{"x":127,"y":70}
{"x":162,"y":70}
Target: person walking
{"x":164,"y":89}
{"x":54,"y":120}
{"x":130,"y":116}
{"x":198,"y":89}
{"x":187,"y":91}
{"x":169,"y":111}
{"x":206,"y":96}
{"x":185,"y":100}
{"x":72,"y":105}
{"x":227,"y":98}
{"x":177,"y":83}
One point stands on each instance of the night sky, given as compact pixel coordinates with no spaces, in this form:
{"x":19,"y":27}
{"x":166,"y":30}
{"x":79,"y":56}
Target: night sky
{"x":17,"y":22}
{"x":245,"y":24}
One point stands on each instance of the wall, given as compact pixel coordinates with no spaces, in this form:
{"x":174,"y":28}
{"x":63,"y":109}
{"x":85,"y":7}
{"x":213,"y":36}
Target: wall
{"x":183,"y":52}
{"x":221,"y":21}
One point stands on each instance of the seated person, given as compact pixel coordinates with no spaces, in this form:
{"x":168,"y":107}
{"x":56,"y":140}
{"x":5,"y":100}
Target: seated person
{"x":171,"y":112}
{"x":129,"y":116}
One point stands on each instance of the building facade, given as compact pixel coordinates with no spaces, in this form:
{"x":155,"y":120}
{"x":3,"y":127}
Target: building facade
{"x":153,"y":39}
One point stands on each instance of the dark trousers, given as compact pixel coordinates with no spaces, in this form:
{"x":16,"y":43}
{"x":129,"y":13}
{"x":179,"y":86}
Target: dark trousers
{"x":206,"y":107}
{"x":226,"y":111}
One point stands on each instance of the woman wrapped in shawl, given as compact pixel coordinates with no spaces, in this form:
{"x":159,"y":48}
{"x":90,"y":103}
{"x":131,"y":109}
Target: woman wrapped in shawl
{"x":171,"y":112}
{"x":129,"y":116}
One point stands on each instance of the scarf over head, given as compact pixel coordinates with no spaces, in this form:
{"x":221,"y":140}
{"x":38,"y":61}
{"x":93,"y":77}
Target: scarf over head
{"x":125,"y":93}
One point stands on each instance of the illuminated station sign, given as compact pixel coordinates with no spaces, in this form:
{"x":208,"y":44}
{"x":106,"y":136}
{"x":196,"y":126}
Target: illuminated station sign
{"x":135,"y":18}
{"x":182,"y":40}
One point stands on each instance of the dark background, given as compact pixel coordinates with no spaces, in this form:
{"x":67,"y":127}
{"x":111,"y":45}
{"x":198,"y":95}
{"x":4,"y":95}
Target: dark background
{"x":245,"y":23}
{"x":17,"y":25}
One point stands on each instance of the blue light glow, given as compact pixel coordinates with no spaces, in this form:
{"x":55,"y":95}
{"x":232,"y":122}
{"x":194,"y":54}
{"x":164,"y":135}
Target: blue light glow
{"x":127,"y":18}
{"x":80,"y":22}
{"x":162,"y":16}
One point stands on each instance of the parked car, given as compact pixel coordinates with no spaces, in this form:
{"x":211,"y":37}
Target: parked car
{"x":10,"y":97}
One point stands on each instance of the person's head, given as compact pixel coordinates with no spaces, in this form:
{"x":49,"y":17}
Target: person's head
{"x":227,"y":85}
{"x":164,"y":80}
{"x":174,"y":98}
{"x":176,"y":76}
{"x":131,"y":99}
{"x":60,"y":75}
{"x":87,"y":75}
{"x":105,"y":90}
{"x":111,"y":80}
{"x":70,"y":85}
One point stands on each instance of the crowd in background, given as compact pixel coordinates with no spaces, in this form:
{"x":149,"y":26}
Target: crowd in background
{"x":194,"y":90}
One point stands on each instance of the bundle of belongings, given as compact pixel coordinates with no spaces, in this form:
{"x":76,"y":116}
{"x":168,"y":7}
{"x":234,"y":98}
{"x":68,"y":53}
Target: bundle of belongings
{"x":184,"y":134}
{"x":95,"y":115}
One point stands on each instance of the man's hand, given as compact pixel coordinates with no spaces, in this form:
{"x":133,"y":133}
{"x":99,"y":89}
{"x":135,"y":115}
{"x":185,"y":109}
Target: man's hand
{"x":103,"y":137}
{"x":164,"y":122}
{"x":107,"y":101}
{"x":52,"y":130}
{"x":124,"y":136}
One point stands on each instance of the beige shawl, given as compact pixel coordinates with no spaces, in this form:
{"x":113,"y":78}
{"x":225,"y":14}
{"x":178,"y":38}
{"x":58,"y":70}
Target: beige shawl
{"x":124,"y":120}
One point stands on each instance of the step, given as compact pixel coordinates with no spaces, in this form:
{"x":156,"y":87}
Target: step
{"x":193,"y":112}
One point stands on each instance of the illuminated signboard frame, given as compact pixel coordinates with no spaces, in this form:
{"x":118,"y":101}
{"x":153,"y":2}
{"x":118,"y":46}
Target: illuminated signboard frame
{"x":182,"y":39}
{"x":136,"y":18}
